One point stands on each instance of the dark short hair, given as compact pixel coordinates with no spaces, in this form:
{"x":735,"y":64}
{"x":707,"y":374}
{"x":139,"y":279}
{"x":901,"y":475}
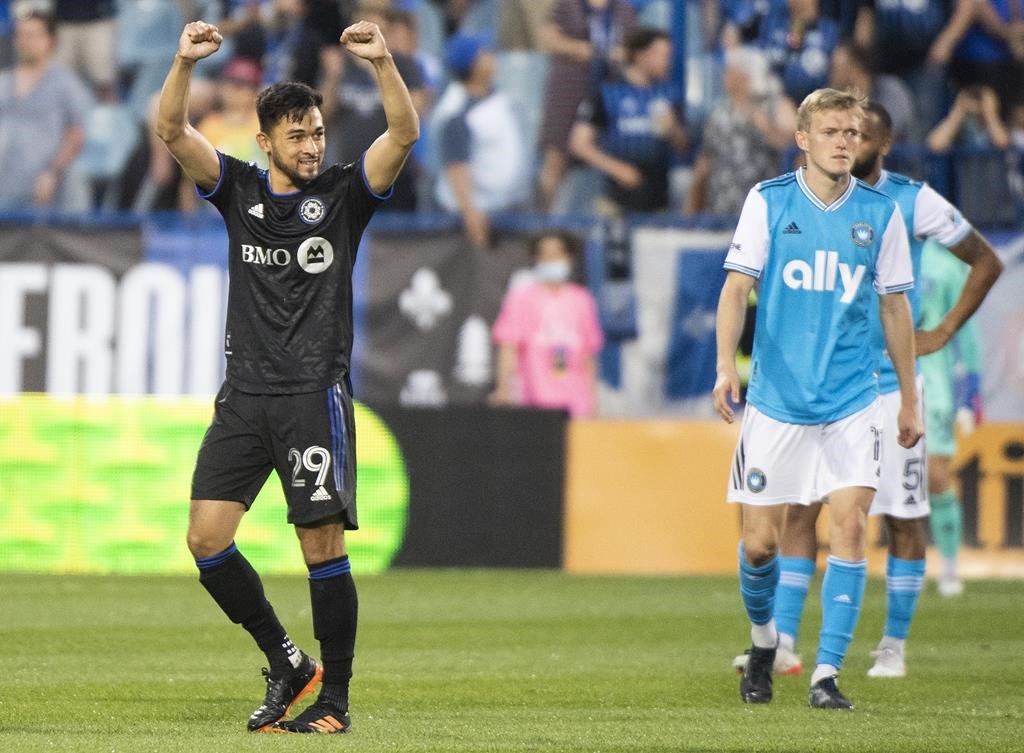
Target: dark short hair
{"x":876,"y":109}
{"x":570,"y":242}
{"x":639,"y":38}
{"x":289,"y":100}
{"x":47,"y":19}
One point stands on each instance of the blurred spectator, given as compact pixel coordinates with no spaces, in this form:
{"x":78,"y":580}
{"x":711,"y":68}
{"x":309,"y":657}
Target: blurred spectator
{"x":233,"y":125}
{"x":743,"y":136}
{"x":403,"y":38}
{"x":740,"y":20}
{"x":984,"y":171}
{"x":521,"y":24}
{"x":799,"y":42}
{"x":1015,"y":122}
{"x":455,"y":11}
{"x":584,"y":37}
{"x":152,"y":180}
{"x":87,"y":42}
{"x":42,"y":109}
{"x":352,"y":107}
{"x":992,"y":51}
{"x":852,"y":69}
{"x":630,"y":129}
{"x":915,"y":41}
{"x":548,"y":335}
{"x":481,"y":148}
{"x":242,"y":22}
{"x":292,"y":44}
{"x":6,"y":28}
{"x":973,"y":122}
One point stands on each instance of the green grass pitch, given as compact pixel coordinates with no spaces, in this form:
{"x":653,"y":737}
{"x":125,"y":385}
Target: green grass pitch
{"x":493,"y":661}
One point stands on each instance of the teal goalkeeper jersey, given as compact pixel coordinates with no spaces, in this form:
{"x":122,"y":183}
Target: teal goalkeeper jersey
{"x":820,"y":269}
{"x":943,"y":277}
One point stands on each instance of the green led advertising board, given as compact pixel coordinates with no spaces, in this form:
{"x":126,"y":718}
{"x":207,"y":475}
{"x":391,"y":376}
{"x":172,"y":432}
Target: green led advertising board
{"x":101,"y":485}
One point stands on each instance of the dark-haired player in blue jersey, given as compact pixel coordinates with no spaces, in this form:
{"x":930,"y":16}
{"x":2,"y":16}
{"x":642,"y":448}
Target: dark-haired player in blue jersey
{"x":286,"y":403}
{"x":825,"y":250}
{"x":903,"y":490}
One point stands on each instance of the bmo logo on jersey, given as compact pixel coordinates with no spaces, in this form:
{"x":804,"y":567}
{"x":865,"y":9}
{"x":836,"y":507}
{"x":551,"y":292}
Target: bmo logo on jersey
{"x":823,"y":276}
{"x":266,"y":257}
{"x":315,"y":255}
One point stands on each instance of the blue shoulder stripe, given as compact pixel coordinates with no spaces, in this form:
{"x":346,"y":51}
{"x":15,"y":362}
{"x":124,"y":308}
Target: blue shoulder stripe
{"x":781,"y":180}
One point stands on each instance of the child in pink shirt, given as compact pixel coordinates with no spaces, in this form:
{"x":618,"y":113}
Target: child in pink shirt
{"x":549,"y":335}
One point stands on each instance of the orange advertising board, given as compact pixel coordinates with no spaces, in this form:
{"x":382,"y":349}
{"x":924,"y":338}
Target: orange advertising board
{"x":649,"y":497}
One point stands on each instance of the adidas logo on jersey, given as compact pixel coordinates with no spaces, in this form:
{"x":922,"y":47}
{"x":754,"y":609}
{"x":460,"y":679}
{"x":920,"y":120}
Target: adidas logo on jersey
{"x":791,"y":228}
{"x":843,"y":599}
{"x":320,"y":495}
{"x":799,"y":275}
{"x":257,"y":211}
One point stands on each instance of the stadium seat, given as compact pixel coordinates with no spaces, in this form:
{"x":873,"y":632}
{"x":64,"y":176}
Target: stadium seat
{"x":111,"y":133}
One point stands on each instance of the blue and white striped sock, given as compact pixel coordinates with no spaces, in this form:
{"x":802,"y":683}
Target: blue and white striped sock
{"x":842,"y":591}
{"x":903,"y":582}
{"x":790,"y":594}
{"x":757,"y":587}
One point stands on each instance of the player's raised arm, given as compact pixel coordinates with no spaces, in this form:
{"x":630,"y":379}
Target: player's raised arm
{"x":194,"y":153}
{"x":386,"y":155}
{"x":986,"y":267}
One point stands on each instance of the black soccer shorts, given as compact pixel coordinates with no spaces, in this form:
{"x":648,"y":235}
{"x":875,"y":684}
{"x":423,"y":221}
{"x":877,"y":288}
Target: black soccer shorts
{"x":309,"y":439}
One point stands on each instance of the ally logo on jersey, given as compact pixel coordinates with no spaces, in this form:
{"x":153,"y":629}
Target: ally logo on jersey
{"x":823,"y":276}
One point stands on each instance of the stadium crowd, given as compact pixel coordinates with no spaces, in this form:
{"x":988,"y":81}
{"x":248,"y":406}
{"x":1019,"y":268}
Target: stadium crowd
{"x":613,"y":130}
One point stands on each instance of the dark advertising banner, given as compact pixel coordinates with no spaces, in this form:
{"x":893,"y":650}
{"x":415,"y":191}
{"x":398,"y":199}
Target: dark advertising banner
{"x":485,"y":486}
{"x":429,"y":308}
{"x":63,"y":297}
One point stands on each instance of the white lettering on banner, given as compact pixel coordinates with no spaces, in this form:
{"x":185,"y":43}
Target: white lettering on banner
{"x":17,"y":342}
{"x":207,"y":293}
{"x":798,"y":274}
{"x":135,"y":336}
{"x":151,"y":292}
{"x":80,"y":329}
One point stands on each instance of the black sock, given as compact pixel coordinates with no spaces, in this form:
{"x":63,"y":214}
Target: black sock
{"x":335,"y":612}
{"x":236,"y":587}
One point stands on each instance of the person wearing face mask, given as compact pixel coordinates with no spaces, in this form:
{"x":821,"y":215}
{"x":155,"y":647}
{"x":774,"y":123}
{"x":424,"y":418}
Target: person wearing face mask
{"x":548,"y":335}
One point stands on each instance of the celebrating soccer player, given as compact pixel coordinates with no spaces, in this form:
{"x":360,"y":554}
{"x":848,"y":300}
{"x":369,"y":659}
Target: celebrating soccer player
{"x":903,"y":493}
{"x":286,"y":403}
{"x":825,"y":250}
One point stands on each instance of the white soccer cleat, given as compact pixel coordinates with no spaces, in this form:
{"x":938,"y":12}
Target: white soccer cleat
{"x":950,"y":585}
{"x":889,"y":662}
{"x":786,"y":662}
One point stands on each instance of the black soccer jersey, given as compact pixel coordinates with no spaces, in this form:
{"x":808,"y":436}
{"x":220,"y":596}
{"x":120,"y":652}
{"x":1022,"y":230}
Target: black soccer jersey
{"x":290,"y":258}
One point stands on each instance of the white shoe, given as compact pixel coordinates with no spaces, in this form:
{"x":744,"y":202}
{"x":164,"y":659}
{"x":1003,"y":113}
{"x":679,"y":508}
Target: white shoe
{"x":786,"y":662}
{"x":950,"y":585}
{"x":889,"y":662}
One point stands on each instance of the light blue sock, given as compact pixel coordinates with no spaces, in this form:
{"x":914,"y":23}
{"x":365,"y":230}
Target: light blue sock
{"x":842,"y":591}
{"x":794,"y":580}
{"x":757,"y":586}
{"x":903,"y":581}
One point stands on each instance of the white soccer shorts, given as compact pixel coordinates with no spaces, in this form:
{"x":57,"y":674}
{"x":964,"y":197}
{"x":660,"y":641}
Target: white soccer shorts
{"x":780,"y":463}
{"x":903,"y":485}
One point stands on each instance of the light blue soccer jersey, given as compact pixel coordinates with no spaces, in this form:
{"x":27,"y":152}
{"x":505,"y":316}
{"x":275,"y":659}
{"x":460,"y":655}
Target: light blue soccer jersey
{"x":819,"y":267}
{"x":927,"y":216}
